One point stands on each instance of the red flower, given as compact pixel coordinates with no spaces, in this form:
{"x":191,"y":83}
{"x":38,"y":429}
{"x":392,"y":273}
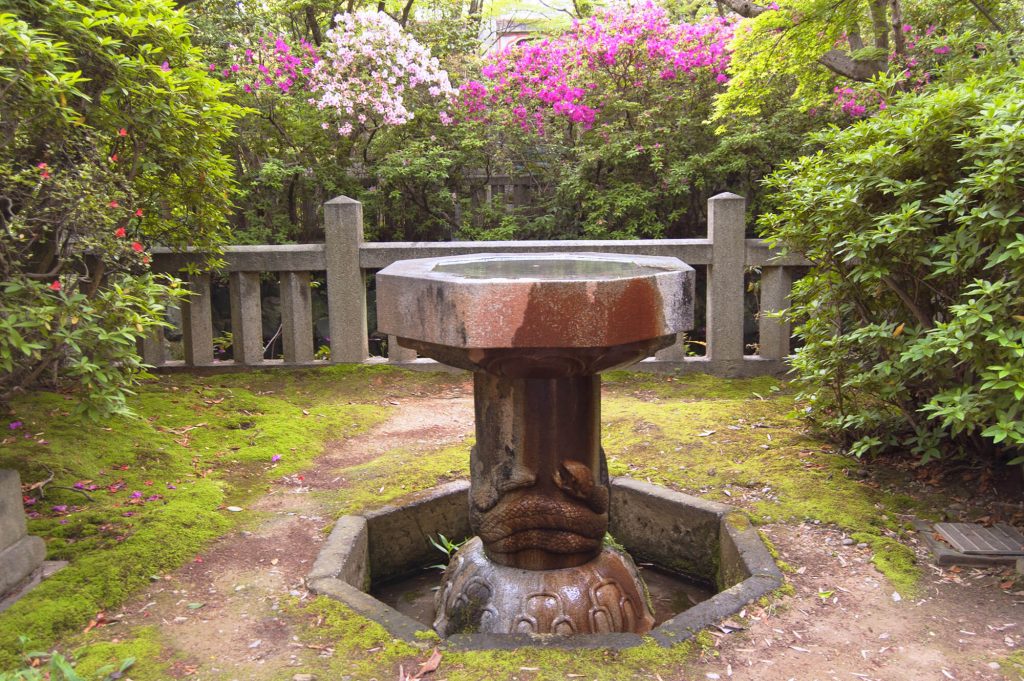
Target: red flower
{"x":45,"y":174}
{"x":119,"y":232}
{"x":55,"y":286}
{"x":113,"y":158}
{"x":138,"y":213}
{"x":114,"y":204}
{"x":137,"y":247}
{"x":122,"y":132}
{"x":145,"y":261}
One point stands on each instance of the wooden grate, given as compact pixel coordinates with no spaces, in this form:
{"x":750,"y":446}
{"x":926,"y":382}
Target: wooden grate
{"x":968,"y":538}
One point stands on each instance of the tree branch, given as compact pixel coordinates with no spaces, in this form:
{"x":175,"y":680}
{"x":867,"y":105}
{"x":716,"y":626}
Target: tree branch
{"x":985,"y":13}
{"x":838,"y":61}
{"x":922,"y":318}
{"x":842,"y":63}
{"x":405,"y":13}
{"x":744,"y":8}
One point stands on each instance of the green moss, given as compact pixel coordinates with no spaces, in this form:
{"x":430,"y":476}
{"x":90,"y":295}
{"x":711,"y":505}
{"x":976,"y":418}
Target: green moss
{"x":774,"y":553}
{"x":721,"y":447}
{"x":656,"y":428}
{"x":340,"y":383}
{"x":545,"y":664}
{"x":894,"y":560}
{"x":787,"y":590}
{"x":143,"y":645}
{"x":162,"y":481}
{"x":361,"y":645}
{"x":1015,"y":661}
{"x":691,"y":386}
{"x":397,"y":473}
{"x":364,"y":649}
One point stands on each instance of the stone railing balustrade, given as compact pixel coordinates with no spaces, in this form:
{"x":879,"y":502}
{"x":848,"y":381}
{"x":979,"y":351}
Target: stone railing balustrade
{"x":345,"y":257}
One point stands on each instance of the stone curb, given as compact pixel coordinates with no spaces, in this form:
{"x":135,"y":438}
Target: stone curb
{"x":343,"y":567}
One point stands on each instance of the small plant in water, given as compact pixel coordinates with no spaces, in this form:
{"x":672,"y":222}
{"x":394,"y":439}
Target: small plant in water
{"x":445,"y":546}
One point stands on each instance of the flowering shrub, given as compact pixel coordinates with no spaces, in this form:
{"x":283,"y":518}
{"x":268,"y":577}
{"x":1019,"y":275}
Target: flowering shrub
{"x":573,"y":76}
{"x":373,"y":73}
{"x":273,"y":63}
{"x":113,"y":135}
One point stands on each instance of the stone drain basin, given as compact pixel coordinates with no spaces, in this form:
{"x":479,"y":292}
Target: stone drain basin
{"x":705,"y":541}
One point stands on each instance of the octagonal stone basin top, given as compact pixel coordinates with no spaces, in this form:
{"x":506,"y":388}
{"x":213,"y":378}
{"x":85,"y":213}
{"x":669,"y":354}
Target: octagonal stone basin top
{"x":555,"y":300}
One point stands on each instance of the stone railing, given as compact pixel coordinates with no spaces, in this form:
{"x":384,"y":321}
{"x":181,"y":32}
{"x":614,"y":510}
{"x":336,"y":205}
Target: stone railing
{"x":345,"y":259}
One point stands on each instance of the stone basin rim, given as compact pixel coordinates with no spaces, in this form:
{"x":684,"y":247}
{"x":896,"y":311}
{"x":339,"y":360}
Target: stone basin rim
{"x":417,"y":302}
{"x":426,"y":268}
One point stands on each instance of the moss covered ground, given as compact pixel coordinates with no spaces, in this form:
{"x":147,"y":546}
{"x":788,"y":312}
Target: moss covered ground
{"x":159,"y":485}
{"x":741,"y":440}
{"x":134,"y":498}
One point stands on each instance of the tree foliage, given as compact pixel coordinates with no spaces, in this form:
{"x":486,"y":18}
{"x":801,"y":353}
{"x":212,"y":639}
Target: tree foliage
{"x":913,"y":314}
{"x":112,"y":133}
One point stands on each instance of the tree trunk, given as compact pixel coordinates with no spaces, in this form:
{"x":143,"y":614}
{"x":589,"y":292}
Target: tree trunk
{"x":313,"y":25}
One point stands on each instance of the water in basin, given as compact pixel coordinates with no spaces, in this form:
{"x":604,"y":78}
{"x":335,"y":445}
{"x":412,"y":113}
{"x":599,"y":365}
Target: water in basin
{"x":546,"y":268}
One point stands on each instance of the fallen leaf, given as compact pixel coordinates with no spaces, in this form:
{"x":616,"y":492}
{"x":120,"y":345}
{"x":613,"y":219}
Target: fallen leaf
{"x":430,"y":665}
{"x":98,"y":621}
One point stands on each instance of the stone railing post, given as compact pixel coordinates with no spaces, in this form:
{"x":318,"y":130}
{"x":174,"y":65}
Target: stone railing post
{"x":197,"y":322}
{"x":246,"y":317}
{"x":152,"y":348}
{"x":346,"y":290}
{"x":774,"y":331}
{"x":396,"y":353}
{"x":297,"y":317}
{"x":725,"y":278}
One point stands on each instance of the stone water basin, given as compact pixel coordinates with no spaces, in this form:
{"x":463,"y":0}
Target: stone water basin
{"x":536,"y":331}
{"x":536,"y":314}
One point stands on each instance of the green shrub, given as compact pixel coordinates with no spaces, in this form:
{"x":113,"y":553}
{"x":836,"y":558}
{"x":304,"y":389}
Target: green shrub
{"x":112,"y":132}
{"x":913,"y":314}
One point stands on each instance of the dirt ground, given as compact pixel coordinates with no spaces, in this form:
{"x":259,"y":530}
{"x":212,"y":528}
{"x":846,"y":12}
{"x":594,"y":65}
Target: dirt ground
{"x":220,"y":614}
